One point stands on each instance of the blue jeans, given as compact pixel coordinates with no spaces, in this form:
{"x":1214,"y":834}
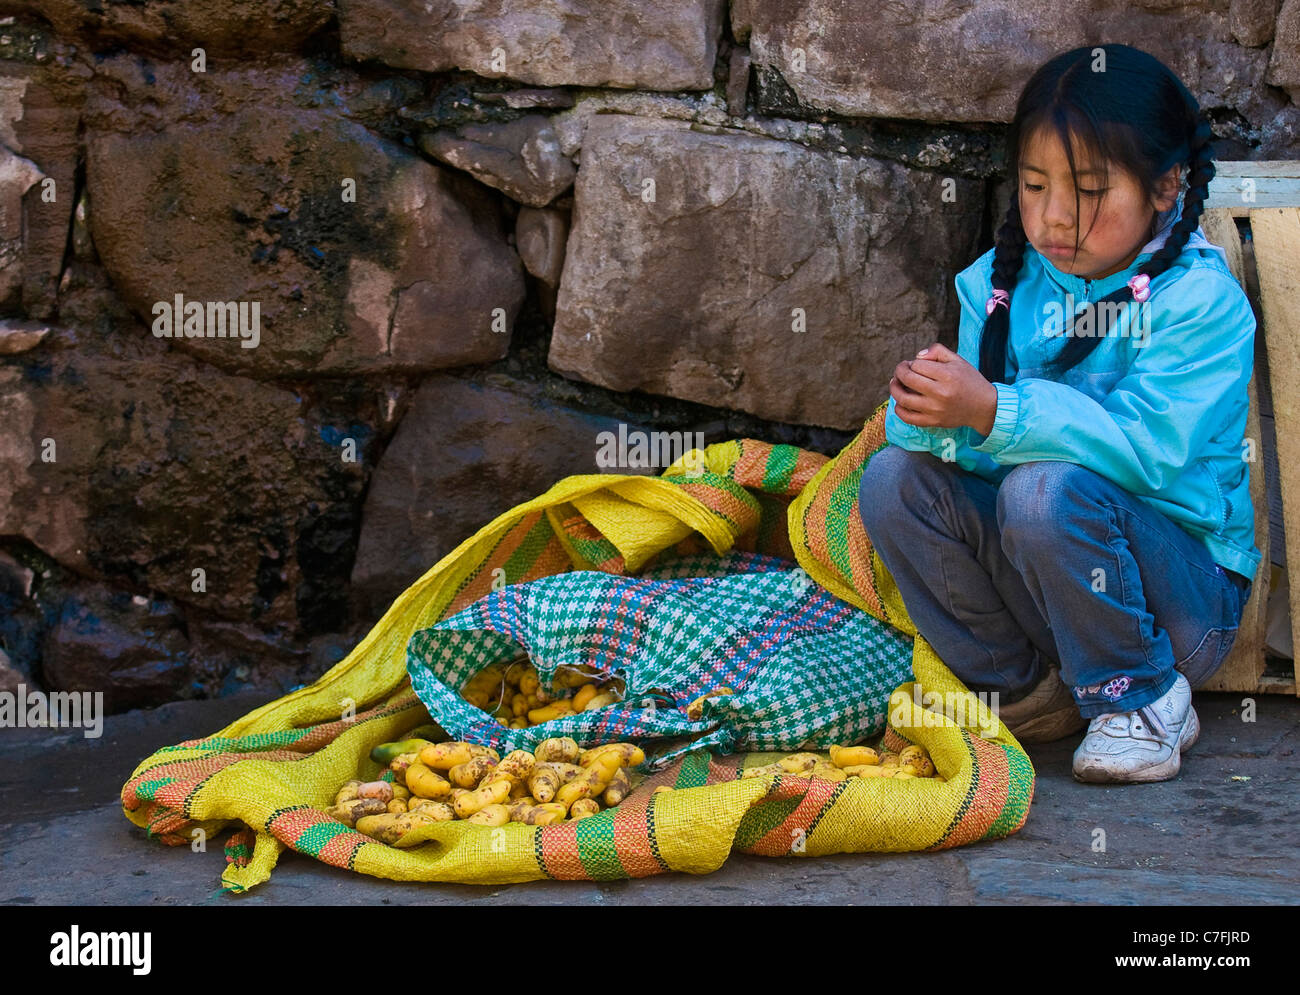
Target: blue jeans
{"x":1056,"y":564}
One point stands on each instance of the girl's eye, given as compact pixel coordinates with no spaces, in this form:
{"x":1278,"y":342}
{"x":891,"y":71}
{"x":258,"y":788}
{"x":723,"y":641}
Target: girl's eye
{"x":1035,"y":187}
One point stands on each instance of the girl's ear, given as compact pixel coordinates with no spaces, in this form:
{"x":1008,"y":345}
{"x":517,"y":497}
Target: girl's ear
{"x":1168,"y":187}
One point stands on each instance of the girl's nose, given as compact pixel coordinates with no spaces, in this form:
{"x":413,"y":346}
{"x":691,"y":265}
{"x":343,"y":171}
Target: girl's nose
{"x":1058,"y":210}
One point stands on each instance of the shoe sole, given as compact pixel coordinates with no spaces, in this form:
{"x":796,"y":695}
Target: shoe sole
{"x":1187,"y":738}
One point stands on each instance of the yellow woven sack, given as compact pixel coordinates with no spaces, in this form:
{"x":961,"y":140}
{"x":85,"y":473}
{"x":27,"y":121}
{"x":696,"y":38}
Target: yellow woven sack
{"x":274,"y":771}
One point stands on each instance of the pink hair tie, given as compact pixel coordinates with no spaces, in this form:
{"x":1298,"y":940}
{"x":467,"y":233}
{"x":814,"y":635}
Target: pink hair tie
{"x":1141,"y":287}
{"x":998,"y":297}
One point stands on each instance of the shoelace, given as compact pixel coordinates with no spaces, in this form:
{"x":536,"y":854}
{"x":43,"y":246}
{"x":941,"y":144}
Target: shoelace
{"x":1148,"y":714}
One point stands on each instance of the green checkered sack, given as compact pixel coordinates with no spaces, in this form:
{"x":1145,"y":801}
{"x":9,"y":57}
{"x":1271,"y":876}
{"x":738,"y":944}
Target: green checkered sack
{"x":808,"y":669}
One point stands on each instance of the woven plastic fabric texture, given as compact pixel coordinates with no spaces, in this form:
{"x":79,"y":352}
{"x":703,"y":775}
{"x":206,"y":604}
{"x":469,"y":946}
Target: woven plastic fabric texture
{"x":270,"y":774}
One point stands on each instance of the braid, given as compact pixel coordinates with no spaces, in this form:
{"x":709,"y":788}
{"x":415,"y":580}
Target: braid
{"x":1201,"y":171}
{"x":1008,"y":257}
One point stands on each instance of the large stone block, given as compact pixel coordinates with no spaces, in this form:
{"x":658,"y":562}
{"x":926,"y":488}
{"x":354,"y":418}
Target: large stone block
{"x":360,"y":255}
{"x":638,"y":44}
{"x":140,"y":466}
{"x":763,"y":276}
{"x":954,"y":60}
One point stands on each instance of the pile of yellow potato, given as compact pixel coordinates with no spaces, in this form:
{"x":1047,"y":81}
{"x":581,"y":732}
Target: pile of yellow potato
{"x":447,"y":781}
{"x":851,"y":761}
{"x":513,"y":695}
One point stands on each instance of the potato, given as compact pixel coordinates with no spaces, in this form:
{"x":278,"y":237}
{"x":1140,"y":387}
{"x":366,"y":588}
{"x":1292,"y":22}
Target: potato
{"x":426,"y":783}
{"x":528,"y":680}
{"x":548,"y":713}
{"x":827,"y":772}
{"x":857,"y":769}
{"x":762,"y":771}
{"x":661,"y":789}
{"x":544,"y":814}
{"x":520,"y":789}
{"x":491,"y":815}
{"x":397,"y":806}
{"x":915,"y":759}
{"x":630,"y":754}
{"x":519,"y":705}
{"x":470,"y":773}
{"x":437,"y":811}
{"x":798,"y":761}
{"x":514,"y":766}
{"x":376,"y":789}
{"x":874,"y":770}
{"x":596,"y":779}
{"x":480,"y":798}
{"x":853,"y":756}
{"x":582,"y":808}
{"x":445,"y":756}
{"x":347,"y":793}
{"x":401,"y":791}
{"x":518,"y":724}
{"x":583,"y":695}
{"x":390,"y":828}
{"x":619,"y":786}
{"x":399,"y":765}
{"x":571,"y":792}
{"x":350,"y":811}
{"x":559,"y":750}
{"x":544,"y":782}
{"x":567,"y":772}
{"x":602,"y":700}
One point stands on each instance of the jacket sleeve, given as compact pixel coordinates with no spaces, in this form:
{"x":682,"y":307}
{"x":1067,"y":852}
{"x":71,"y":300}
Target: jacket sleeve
{"x":954,"y":444}
{"x":1158,"y":417}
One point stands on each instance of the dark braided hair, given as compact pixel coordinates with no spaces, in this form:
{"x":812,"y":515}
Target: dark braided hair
{"x":1136,"y":116}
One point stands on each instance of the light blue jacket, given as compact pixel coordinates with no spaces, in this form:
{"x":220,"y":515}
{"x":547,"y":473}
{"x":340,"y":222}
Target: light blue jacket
{"x":1159,"y":407}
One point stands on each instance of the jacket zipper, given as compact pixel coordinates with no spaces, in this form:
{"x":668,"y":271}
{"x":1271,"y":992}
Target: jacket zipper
{"x":1087,"y":290}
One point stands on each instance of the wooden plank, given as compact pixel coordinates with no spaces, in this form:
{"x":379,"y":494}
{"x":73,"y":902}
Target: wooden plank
{"x":1244,"y":666}
{"x":1242,"y":194}
{"x":1273,"y":183}
{"x":1257,"y":167}
{"x":1276,"y":234}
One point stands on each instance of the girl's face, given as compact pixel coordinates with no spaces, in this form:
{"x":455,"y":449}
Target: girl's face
{"x":1117,"y":224}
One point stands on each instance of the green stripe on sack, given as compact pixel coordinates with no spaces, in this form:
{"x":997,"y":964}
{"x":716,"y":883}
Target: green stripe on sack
{"x":314,"y":837}
{"x":694,"y":771}
{"x":597,"y":848}
{"x":838,"y":510}
{"x":1020,"y":788}
{"x":147,"y":789}
{"x":780,"y":465}
{"x":761,"y":819}
{"x":529,"y":550}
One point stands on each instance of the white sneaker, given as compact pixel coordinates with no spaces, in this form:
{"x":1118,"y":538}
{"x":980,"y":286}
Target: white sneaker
{"x":1144,"y":745}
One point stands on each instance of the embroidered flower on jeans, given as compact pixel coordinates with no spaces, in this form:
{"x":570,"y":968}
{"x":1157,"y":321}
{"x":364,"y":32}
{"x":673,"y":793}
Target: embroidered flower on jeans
{"x":1117,"y":687}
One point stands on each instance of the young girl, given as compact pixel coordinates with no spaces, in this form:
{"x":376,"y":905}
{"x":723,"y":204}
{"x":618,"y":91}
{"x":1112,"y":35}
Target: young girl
{"x":1065,"y":507}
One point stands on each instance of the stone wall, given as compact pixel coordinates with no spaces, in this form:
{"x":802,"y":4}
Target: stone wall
{"x":477,"y":235}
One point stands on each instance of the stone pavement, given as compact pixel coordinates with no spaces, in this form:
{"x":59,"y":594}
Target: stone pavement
{"x":1201,"y":839}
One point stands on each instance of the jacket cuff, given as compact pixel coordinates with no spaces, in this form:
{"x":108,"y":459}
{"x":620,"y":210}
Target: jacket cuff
{"x":1004,"y":422}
